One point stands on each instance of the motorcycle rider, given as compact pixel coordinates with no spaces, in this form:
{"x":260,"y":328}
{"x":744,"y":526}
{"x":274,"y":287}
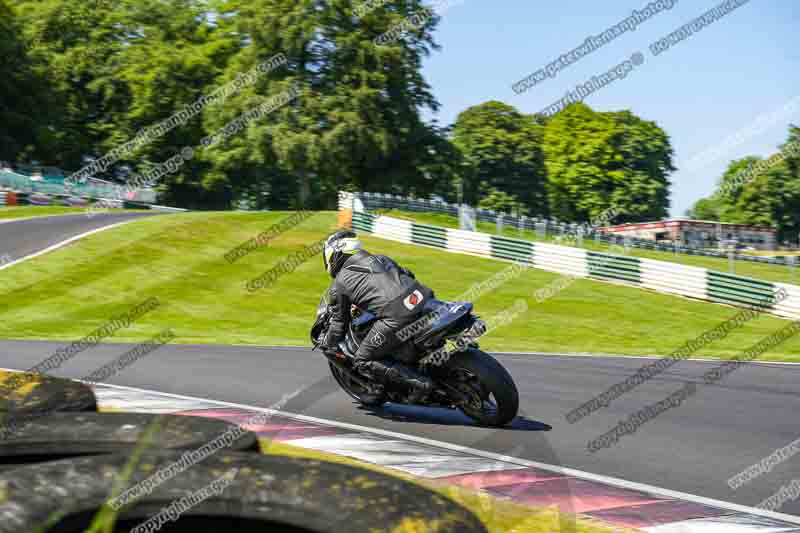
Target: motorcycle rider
{"x":377,"y":284}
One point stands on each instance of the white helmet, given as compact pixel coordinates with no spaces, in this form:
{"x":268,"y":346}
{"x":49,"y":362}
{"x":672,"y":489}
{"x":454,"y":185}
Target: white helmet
{"x":338,"y":249}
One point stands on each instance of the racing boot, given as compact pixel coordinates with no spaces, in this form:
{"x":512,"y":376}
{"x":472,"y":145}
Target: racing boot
{"x":419,"y":384}
{"x":375,"y":388}
{"x":374,"y":396}
{"x":392,"y":371}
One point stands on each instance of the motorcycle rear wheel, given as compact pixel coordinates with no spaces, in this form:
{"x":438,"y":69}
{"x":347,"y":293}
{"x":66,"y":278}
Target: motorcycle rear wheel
{"x":354,"y":390}
{"x":494,"y":396}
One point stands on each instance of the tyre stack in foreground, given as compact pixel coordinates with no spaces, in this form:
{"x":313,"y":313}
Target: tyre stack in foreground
{"x":65,"y":468}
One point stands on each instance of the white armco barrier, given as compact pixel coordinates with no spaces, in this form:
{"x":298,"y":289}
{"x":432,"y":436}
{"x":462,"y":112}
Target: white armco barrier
{"x":393,"y":228}
{"x":348,"y":200}
{"x":561,"y":259}
{"x":790,"y":307}
{"x":672,"y":277}
{"x":469,"y":242}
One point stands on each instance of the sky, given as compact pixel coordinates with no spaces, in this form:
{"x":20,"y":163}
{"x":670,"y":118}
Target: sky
{"x":727,"y":91}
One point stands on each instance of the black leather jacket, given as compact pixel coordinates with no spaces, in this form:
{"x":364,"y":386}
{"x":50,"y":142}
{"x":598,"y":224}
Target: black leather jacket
{"x":377,"y":284}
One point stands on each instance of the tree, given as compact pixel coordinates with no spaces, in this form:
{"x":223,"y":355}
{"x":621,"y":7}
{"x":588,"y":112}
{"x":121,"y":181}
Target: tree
{"x":706,"y":209}
{"x":355,"y":122}
{"x":70,"y":45}
{"x":596,"y":161}
{"x":23,"y":95}
{"x":791,"y":150}
{"x":502,"y":151}
{"x":770,"y":197}
{"x":115,"y":69}
{"x":500,"y":202}
{"x":174,"y":57}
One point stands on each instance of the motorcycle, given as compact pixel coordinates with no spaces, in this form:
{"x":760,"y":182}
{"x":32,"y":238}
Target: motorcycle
{"x":441,"y":344}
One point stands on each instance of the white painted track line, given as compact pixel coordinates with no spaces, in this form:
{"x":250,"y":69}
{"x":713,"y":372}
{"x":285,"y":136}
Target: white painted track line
{"x":489,"y":455}
{"x":62,"y":243}
{"x":652,"y":357}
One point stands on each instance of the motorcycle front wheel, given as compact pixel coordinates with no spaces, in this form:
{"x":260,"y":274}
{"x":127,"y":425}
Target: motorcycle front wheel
{"x":353,"y":389}
{"x":493,"y":396}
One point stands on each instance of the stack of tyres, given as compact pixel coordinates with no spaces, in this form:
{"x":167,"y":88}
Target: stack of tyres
{"x":27,"y":398}
{"x":39,"y":199}
{"x":64,"y":467}
{"x":254,"y":493}
{"x":42,"y":437}
{"x":61,"y":199}
{"x":134,"y":205}
{"x":77,"y":201}
{"x":24,"y":394}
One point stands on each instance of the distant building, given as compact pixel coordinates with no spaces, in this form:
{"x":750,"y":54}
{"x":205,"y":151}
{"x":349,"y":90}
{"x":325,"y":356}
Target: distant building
{"x":699,"y":234}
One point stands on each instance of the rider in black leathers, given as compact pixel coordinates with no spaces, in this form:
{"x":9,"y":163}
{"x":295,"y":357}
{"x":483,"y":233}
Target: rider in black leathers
{"x":377,"y":284}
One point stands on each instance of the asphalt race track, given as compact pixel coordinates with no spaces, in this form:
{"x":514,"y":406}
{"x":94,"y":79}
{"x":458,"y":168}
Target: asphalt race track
{"x":693,"y":448}
{"x":20,"y":238}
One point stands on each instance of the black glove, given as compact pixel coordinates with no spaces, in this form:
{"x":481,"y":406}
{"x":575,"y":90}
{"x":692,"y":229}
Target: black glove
{"x":329,"y":345}
{"x":336,"y":327}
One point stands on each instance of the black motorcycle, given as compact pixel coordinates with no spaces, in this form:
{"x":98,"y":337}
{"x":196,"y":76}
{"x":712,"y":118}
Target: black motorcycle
{"x":442,"y":344}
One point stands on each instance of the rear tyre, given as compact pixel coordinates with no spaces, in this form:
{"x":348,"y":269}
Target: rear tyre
{"x":494,"y":400}
{"x":354,"y":390}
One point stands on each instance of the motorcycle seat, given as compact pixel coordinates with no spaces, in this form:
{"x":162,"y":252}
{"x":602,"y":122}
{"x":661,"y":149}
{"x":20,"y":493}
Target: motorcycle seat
{"x":443,"y":315}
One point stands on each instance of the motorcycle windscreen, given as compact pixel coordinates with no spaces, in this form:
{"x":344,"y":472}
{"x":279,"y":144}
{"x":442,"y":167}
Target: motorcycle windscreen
{"x":321,"y":323}
{"x":324,"y":302}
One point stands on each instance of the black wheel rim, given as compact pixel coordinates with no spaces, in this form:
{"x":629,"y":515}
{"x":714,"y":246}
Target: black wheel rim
{"x":481,"y":402}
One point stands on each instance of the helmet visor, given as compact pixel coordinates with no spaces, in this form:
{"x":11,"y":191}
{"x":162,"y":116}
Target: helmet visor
{"x":327,"y":253}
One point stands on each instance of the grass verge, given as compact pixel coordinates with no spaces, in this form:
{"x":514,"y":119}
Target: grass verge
{"x":179,"y":259}
{"x":27,"y":211}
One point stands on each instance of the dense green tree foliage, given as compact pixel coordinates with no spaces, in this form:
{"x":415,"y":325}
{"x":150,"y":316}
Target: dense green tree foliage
{"x":113,"y":69}
{"x":598,"y":160}
{"x":23,"y":95}
{"x":355,"y":123}
{"x":502,"y":151}
{"x":72,"y":47}
{"x":497,"y":200}
{"x":770,"y":197}
{"x":80,"y":79}
{"x":84,"y":78}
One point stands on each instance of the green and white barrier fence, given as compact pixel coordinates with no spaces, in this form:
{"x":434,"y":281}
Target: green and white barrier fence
{"x":660,"y":276}
{"x":365,"y":201}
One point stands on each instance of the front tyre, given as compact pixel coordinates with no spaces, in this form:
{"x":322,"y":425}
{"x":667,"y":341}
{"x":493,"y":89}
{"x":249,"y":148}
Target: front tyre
{"x":494,"y":400}
{"x":354,"y":390}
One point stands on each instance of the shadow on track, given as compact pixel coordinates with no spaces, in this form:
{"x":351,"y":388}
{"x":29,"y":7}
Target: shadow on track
{"x":444,"y":417}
